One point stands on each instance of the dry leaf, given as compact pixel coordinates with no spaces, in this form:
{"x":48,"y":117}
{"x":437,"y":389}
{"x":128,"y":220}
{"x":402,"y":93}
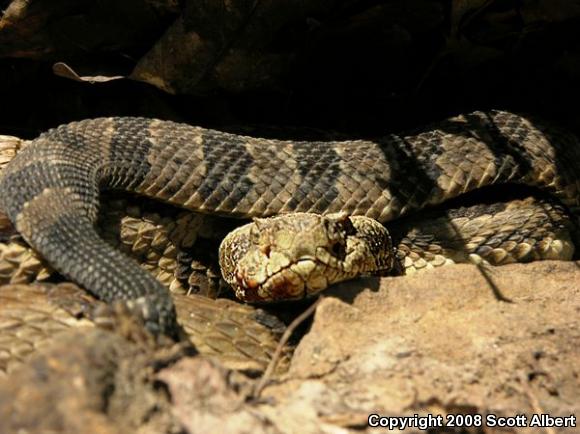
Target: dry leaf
{"x":63,"y":70}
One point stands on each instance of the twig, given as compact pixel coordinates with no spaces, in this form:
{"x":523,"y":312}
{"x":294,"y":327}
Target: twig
{"x":281,"y":344}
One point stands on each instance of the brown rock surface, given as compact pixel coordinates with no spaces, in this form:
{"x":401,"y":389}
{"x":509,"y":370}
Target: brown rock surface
{"x":440,"y":342}
{"x":80,"y":384}
{"x":95,"y":381}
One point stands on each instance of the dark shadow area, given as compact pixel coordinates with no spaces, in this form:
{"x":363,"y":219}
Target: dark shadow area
{"x":360,"y":67}
{"x":348,"y":291}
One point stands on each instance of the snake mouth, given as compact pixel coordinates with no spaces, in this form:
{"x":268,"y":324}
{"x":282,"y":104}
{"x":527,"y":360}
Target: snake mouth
{"x":298,"y":280}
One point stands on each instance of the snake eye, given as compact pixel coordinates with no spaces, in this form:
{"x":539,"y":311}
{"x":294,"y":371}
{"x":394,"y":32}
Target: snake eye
{"x":339,"y":223}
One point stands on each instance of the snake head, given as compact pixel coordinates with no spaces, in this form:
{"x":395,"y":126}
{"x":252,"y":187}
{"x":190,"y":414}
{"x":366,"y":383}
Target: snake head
{"x":293,"y":256}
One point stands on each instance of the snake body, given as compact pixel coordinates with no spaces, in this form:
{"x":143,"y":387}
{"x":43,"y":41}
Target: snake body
{"x":50,"y":190}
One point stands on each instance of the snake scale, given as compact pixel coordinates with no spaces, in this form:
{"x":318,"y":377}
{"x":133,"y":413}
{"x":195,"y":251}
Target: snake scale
{"x":50,"y":190}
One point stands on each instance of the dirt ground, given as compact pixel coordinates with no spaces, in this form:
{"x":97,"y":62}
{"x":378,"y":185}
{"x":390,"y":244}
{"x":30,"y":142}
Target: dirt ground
{"x":440,"y":343}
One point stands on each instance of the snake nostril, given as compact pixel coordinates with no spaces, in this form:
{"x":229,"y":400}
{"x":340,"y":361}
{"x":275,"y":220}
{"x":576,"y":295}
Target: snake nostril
{"x":266,"y":250}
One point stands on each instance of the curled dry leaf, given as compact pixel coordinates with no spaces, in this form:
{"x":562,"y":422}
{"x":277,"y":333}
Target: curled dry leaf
{"x":63,"y":70}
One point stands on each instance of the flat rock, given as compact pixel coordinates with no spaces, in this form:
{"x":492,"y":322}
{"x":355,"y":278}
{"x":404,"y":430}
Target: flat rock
{"x":440,"y":342}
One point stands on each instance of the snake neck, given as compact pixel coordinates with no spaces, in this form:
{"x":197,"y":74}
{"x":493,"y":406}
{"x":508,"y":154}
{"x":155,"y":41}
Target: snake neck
{"x":213,"y":172}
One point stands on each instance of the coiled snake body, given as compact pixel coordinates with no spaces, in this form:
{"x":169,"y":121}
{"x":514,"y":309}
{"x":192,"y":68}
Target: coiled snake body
{"x":50,"y":191}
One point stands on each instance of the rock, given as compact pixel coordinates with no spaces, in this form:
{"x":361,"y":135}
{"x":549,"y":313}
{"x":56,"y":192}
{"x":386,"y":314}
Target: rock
{"x":82,"y":384}
{"x":441,"y":342}
{"x":207,"y":398}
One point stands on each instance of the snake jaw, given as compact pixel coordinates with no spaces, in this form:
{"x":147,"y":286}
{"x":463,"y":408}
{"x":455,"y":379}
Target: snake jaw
{"x":287,"y":283}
